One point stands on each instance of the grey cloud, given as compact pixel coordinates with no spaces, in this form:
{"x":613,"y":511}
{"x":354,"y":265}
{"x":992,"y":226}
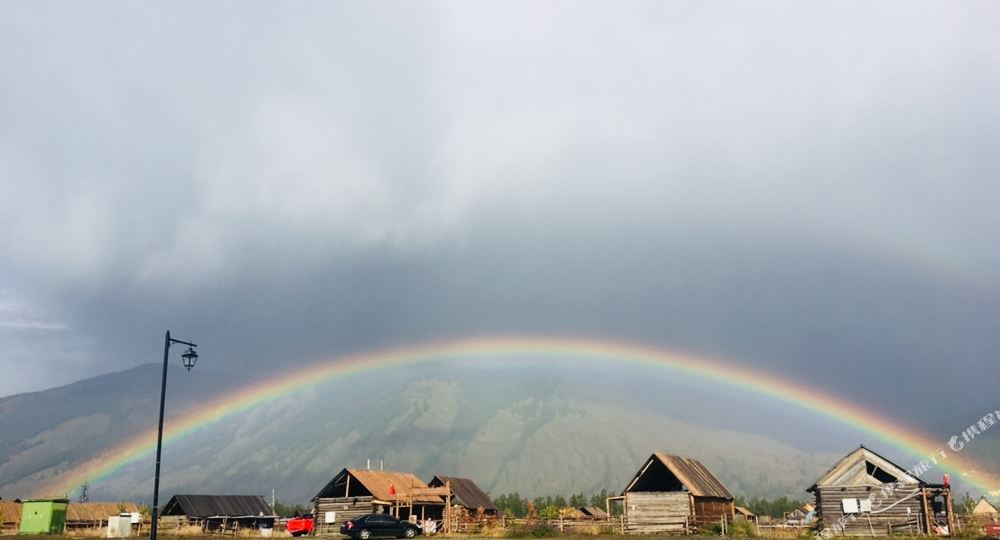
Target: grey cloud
{"x":801,"y":186}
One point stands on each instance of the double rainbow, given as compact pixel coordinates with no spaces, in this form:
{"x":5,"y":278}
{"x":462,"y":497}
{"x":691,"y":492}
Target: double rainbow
{"x":586,"y":351}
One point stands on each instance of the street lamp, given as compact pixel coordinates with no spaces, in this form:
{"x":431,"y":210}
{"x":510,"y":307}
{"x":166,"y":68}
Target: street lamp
{"x":190,"y":357}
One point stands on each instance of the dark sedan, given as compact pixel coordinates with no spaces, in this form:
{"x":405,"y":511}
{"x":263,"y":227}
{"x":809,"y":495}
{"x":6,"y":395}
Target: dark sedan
{"x":372,"y":525}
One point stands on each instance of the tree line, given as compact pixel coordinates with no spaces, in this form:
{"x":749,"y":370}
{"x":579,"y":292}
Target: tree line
{"x":514,"y":505}
{"x":777,"y":508}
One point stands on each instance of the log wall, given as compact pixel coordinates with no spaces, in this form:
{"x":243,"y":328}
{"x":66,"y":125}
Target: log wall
{"x":709,"y":510}
{"x":901,"y":511}
{"x":657,"y":512}
{"x":345,"y":507}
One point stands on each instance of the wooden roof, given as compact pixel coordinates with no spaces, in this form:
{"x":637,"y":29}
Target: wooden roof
{"x":744,"y":511}
{"x":863,"y":467}
{"x":96,"y":511}
{"x":984,"y":507}
{"x":203,"y":506}
{"x":694,"y":476}
{"x":11,"y":512}
{"x":466,"y":492}
{"x":593,"y":511}
{"x":380,"y":485}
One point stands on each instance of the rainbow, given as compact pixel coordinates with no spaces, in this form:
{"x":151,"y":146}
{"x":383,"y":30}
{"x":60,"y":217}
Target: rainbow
{"x":754,"y":381}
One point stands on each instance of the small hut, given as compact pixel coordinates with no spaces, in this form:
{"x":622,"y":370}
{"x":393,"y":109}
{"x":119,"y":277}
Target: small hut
{"x":43,"y":516}
{"x":743,"y":513}
{"x":354,"y":492}
{"x":674,"y":494}
{"x":865,"y":494}
{"x":466,"y":494}
{"x":593,"y":512}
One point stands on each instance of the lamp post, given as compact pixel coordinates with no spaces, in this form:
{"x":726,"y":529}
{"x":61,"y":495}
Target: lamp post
{"x":190,"y":357}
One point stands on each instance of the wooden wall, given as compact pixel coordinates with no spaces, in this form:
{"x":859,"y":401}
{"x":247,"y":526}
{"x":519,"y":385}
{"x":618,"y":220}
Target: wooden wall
{"x":345,"y":507}
{"x":709,"y":510}
{"x":656,"y":512}
{"x":901,"y":511}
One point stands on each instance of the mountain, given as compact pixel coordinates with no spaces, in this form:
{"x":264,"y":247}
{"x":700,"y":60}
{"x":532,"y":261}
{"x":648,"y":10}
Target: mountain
{"x":533,"y":430}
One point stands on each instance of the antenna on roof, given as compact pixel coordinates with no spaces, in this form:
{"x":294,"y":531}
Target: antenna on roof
{"x":369,"y":467}
{"x":381,"y":465}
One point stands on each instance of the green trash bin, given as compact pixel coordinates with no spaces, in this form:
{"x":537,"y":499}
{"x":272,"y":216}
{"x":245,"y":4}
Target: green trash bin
{"x":44,"y":516}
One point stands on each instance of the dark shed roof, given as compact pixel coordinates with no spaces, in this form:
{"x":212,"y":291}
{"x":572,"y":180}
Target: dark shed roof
{"x":467,"y":493}
{"x":690,"y":473}
{"x":203,"y":506}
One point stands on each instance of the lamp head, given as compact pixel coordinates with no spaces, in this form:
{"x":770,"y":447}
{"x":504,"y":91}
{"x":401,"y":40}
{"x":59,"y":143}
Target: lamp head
{"x":190,"y":358}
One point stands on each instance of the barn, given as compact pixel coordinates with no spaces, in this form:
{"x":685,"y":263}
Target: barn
{"x":865,"y":494}
{"x":218,"y":512}
{"x":674,"y":494}
{"x":354,"y":492}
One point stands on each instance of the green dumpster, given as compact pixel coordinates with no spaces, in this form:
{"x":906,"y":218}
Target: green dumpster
{"x":44,"y":516}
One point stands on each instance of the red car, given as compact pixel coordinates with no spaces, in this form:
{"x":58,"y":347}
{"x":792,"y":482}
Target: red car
{"x":298,"y":526}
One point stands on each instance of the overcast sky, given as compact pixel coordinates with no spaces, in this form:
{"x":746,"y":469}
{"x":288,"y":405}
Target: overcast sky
{"x":809,"y":188}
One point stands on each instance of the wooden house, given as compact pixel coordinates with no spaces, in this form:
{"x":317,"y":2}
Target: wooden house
{"x":218,"y":512}
{"x":465,"y":494}
{"x":354,"y":492}
{"x":865,"y":494}
{"x":674,"y":494}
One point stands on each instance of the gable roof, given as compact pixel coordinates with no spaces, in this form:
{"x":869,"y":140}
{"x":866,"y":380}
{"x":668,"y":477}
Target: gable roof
{"x":690,"y":472}
{"x":380,"y":485}
{"x":466,"y":492}
{"x":203,"y":506}
{"x":863,"y":467}
{"x":984,"y":507}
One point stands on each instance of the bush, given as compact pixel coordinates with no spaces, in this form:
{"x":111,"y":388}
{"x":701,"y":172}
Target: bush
{"x":742,"y":528}
{"x":538,"y":531}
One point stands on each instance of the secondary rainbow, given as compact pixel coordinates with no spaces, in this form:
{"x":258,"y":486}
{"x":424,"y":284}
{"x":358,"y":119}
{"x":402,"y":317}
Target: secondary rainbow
{"x":589,"y":351}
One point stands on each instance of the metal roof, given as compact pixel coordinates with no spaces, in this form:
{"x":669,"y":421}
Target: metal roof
{"x":203,"y":506}
{"x":381,"y":484}
{"x":690,"y":472}
{"x":466,"y":492}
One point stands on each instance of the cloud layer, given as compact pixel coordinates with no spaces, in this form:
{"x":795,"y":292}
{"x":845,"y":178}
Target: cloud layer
{"x":807,"y":187}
